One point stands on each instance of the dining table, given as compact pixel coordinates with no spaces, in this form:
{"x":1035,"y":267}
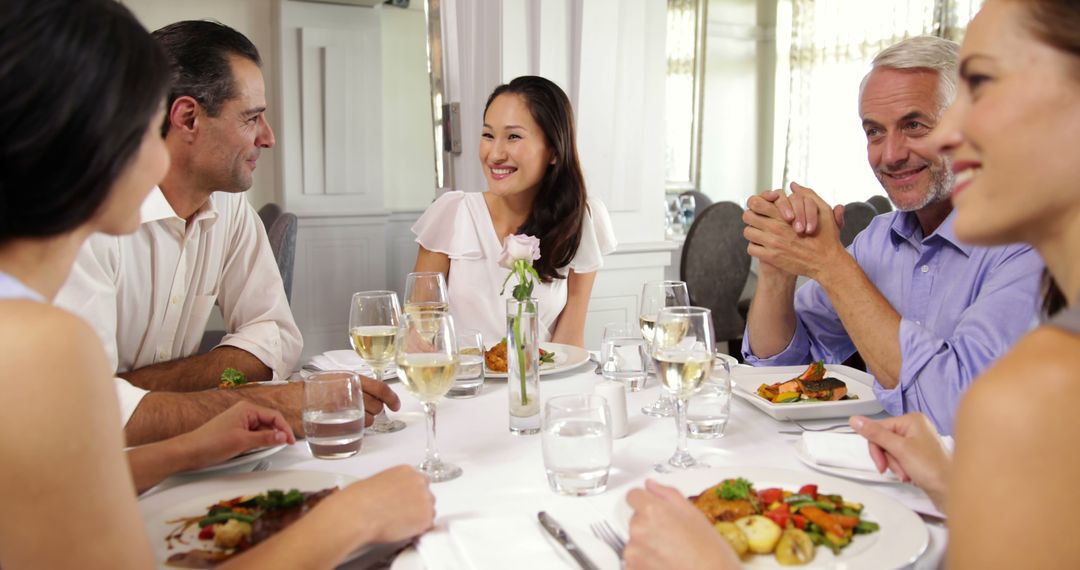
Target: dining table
{"x":504,"y":481}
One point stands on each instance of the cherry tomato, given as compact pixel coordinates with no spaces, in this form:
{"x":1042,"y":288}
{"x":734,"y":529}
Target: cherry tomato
{"x":809,"y":490}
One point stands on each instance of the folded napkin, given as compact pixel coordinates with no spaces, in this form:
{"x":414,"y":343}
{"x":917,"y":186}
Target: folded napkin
{"x":496,"y":543}
{"x":347,"y":360}
{"x":848,"y":450}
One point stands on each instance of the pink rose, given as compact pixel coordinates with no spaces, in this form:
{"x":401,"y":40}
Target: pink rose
{"x":517,"y":247}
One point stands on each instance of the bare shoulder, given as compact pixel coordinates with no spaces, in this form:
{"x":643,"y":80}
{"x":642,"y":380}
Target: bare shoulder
{"x":44,"y":341}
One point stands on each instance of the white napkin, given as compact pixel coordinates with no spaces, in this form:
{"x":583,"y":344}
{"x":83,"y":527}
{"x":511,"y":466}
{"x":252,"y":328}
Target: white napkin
{"x":838,"y":450}
{"x":347,"y":360}
{"x":500,"y":542}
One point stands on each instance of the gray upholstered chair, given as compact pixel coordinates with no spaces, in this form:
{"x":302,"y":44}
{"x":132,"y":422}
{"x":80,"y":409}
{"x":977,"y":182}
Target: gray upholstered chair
{"x":715,"y":266}
{"x":282,"y":235}
{"x":880,"y":203}
{"x":269,"y":214}
{"x":857,"y":216}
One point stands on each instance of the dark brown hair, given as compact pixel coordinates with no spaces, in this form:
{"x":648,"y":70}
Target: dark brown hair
{"x":560,"y":206}
{"x":1057,"y":24}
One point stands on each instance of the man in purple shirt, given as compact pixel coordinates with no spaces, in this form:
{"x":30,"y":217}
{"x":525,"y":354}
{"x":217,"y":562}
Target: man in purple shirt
{"x":926,"y":312}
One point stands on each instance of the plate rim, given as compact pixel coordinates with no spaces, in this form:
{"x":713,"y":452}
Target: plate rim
{"x":913,"y":531}
{"x":552,"y":370}
{"x":242,"y":459}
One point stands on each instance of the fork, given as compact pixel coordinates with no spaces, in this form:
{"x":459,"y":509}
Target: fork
{"x":606,"y":533}
{"x":825,"y":428}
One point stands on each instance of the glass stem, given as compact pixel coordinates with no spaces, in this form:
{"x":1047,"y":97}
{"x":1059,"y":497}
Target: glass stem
{"x":680,"y":426}
{"x":376,"y":373}
{"x":431,"y":455}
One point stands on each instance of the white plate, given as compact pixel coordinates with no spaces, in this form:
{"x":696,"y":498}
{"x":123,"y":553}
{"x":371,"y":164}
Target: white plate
{"x":900,"y":542}
{"x":845,"y":472}
{"x":242,"y":459}
{"x":567,"y":357}
{"x":746,"y":381}
{"x":193,"y":499}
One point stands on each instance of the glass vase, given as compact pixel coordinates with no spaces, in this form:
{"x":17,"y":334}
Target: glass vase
{"x":523,"y":365}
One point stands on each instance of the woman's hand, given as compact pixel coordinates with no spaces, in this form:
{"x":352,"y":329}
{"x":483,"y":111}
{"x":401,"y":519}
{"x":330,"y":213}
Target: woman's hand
{"x":392,"y":505}
{"x":667,"y":531}
{"x":243,"y":427}
{"x":908,"y":446}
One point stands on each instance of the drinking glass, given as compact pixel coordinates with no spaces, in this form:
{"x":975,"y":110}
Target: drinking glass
{"x":373,"y":322}
{"x":688,"y":207}
{"x":426,"y":291}
{"x":656,"y":295}
{"x":427,"y":361}
{"x":682,"y":348}
{"x":624,"y":355}
{"x":333,"y":414}
{"x":470,"y":374}
{"x":708,"y":411}
{"x":576,"y":441}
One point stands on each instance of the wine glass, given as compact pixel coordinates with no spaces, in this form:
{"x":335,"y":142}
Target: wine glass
{"x":656,"y":295}
{"x":427,"y":361}
{"x":426,"y":291}
{"x":373,"y":322}
{"x":682,"y":348}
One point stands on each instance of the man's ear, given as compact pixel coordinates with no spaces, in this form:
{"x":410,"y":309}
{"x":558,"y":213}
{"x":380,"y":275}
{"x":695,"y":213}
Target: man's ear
{"x":183,"y":116}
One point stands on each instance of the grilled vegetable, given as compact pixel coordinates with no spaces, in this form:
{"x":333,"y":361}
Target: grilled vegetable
{"x":815,"y":371}
{"x":794,"y":548}
{"x":734,"y":537}
{"x":761,"y":533}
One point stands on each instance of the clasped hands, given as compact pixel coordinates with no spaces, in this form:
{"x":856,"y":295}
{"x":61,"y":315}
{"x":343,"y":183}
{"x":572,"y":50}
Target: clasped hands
{"x":796,"y":234}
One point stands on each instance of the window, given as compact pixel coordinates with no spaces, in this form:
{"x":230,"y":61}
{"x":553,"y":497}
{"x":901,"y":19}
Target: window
{"x":685,"y":41}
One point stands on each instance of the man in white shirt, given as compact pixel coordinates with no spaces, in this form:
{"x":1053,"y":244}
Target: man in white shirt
{"x":149,"y":295}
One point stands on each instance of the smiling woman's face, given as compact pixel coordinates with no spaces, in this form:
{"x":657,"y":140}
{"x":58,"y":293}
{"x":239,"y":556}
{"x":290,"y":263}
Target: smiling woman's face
{"x":1013,"y":132}
{"x":513,"y":150}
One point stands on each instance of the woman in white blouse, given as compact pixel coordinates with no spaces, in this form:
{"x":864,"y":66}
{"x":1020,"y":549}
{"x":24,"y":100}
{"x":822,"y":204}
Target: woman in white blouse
{"x":535,"y":186}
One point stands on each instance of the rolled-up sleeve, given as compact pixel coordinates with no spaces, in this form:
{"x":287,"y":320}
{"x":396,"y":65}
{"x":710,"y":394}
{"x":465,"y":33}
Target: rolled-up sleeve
{"x":252,"y":298}
{"x":937,"y":370}
{"x":819,"y":333}
{"x":129,"y":397}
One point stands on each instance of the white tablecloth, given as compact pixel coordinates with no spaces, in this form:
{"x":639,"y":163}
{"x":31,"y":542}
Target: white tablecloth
{"x":504,"y":474}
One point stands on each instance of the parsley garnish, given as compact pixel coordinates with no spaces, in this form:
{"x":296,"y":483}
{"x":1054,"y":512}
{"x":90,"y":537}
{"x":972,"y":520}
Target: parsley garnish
{"x":734,"y":489}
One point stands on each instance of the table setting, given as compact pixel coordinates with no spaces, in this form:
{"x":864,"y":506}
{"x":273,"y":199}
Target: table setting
{"x":548,"y":490}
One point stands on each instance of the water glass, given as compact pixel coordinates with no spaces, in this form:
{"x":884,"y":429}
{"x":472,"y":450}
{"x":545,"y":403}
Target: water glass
{"x":576,"y":440}
{"x":707,"y":412}
{"x":470,"y":375}
{"x":624,"y":356}
{"x":333,"y":414}
{"x":688,"y":207}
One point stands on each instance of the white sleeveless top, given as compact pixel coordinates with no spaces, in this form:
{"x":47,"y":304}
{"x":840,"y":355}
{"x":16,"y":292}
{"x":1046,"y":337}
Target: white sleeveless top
{"x":459,"y":225}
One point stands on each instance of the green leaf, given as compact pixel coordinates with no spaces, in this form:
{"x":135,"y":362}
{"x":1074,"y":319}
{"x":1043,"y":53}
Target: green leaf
{"x":233,"y":377}
{"x":734,"y":489}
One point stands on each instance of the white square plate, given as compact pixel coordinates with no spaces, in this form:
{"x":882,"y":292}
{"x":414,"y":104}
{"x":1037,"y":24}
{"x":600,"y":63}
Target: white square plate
{"x":746,"y":381}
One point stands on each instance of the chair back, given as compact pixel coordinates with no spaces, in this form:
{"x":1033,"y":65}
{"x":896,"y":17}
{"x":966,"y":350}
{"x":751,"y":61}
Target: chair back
{"x":269,"y":214}
{"x":857,"y":216}
{"x":880,"y":203}
{"x":282,"y":235}
{"x":715,"y":266}
{"x":701,"y":200}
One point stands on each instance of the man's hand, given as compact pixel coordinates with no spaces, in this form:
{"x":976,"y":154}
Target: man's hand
{"x":775,"y":241}
{"x":666,"y":531}
{"x":376,"y":395}
{"x":798,"y":209}
{"x":243,"y":427}
{"x":908,"y":446}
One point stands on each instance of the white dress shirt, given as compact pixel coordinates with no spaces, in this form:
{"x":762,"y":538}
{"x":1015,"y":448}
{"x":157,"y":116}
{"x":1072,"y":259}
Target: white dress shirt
{"x":149,"y":294}
{"x":459,"y":225}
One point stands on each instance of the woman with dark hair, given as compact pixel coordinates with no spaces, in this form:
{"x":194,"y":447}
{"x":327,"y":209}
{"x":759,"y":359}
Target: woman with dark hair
{"x":82,"y":87}
{"x":535,"y":186}
{"x":1010,"y":488}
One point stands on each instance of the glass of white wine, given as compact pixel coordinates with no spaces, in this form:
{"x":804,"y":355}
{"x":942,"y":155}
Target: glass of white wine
{"x":427,"y":361}
{"x":426,"y":291}
{"x":656,"y":295}
{"x":682,"y":349}
{"x":373,"y":322}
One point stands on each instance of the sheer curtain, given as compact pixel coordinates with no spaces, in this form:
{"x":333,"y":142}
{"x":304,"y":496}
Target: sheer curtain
{"x":832,"y":43}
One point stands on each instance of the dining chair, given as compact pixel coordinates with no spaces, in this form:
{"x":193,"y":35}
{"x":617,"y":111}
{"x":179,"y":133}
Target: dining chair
{"x":701,"y":200}
{"x":268,"y":214}
{"x":857,"y":216}
{"x":715,"y":266}
{"x":880,"y":203}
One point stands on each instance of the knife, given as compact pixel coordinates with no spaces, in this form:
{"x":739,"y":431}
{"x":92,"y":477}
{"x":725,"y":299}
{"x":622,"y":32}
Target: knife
{"x":556,"y":531}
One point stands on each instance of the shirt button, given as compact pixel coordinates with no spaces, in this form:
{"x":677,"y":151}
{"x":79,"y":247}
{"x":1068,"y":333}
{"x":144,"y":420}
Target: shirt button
{"x":175,"y":300}
{"x":924,"y":268}
{"x":163,"y":355}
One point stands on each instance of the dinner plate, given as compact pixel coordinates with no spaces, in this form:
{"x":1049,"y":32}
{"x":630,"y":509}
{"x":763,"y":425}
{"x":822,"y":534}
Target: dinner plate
{"x":902,"y":539}
{"x":567,"y":357}
{"x":746,"y":380}
{"x":193,"y":499}
{"x":857,"y":474}
{"x":242,"y":459}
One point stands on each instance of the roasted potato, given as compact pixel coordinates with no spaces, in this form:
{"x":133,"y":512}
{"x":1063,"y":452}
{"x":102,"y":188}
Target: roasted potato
{"x":733,"y":536}
{"x":230,"y":534}
{"x":795,"y":548}
{"x":761,"y":533}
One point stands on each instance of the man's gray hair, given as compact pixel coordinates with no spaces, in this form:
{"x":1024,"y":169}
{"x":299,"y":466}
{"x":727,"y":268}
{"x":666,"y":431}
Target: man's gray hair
{"x":923,"y":52}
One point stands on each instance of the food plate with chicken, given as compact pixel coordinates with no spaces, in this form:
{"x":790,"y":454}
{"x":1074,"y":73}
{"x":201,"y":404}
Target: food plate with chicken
{"x":806,"y":393}
{"x":167,"y":513}
{"x":554,"y":358}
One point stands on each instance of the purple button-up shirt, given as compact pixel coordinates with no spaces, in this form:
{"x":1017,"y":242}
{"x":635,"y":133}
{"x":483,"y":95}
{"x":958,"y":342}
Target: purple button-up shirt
{"x":961,"y":307}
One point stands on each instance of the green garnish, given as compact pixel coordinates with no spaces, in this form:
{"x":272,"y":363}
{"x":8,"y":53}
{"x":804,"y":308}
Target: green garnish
{"x":232,"y":377}
{"x":547,"y":357}
{"x":278,"y":499}
{"x":734,"y":489}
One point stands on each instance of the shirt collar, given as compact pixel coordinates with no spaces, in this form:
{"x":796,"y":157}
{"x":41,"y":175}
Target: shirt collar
{"x":905,"y":226}
{"x":155,"y":207}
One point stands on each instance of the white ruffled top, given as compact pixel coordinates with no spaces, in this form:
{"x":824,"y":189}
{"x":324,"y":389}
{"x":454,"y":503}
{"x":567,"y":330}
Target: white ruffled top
{"x":459,"y":225}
